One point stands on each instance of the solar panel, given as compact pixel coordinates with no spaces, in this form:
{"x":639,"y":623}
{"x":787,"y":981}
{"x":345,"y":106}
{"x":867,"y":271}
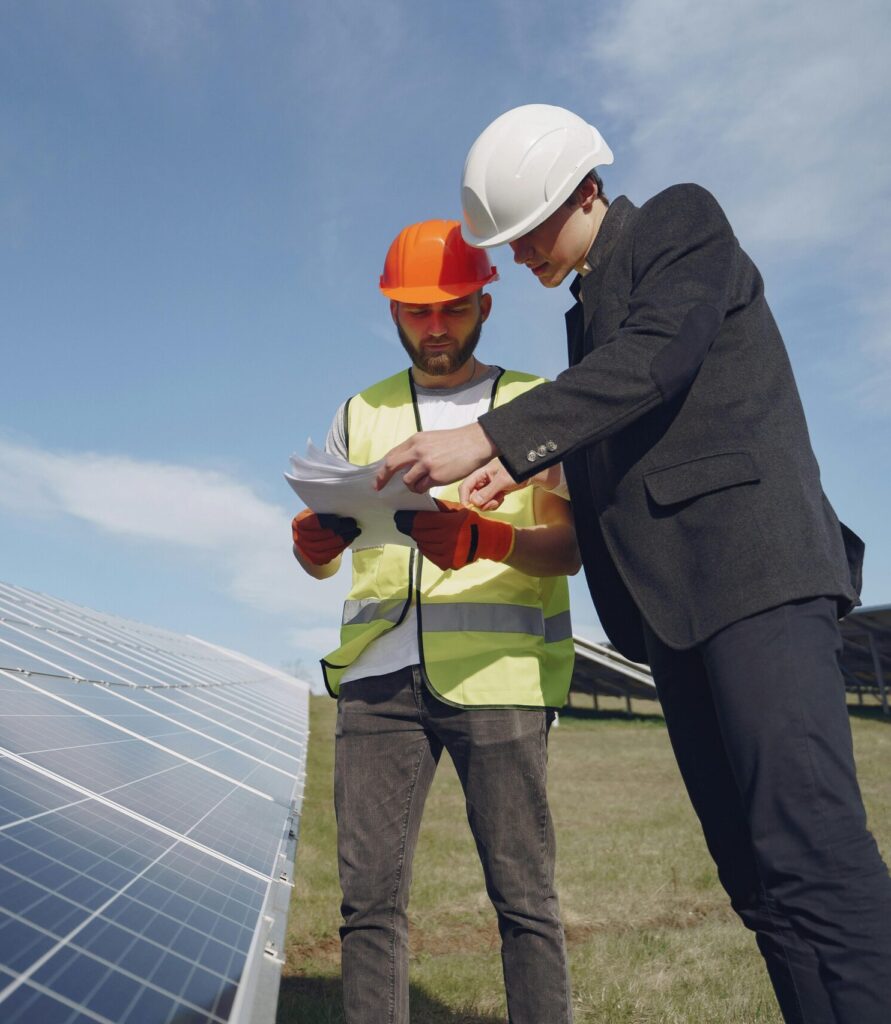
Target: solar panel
{"x":866,"y":656}
{"x":150,"y":793}
{"x":601,"y":671}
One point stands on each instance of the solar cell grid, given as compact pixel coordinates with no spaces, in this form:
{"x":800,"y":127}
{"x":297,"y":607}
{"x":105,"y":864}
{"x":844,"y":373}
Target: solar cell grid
{"x":86,"y":751}
{"x":266,"y":700}
{"x":192,"y":659}
{"x":29,"y":1004}
{"x":224,"y":737}
{"x":23,"y":795}
{"x":255,"y":844}
{"x":89,"y":661}
{"x":242,"y":722}
{"x":143,"y":824}
{"x":267,"y":779}
{"x":54,"y":721}
{"x":178,"y":799}
{"x":100,"y":857}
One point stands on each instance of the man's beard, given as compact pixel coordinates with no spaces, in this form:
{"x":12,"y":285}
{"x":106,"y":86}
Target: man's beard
{"x":438,"y":364}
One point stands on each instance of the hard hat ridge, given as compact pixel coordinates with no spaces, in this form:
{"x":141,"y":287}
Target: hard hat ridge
{"x":430,"y":262}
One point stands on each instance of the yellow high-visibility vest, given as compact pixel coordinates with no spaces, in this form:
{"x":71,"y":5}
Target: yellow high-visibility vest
{"x":488,"y":635}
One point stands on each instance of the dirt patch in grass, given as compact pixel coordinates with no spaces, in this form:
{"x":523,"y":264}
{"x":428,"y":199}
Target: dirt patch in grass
{"x":684,"y":916}
{"x":317,"y":952}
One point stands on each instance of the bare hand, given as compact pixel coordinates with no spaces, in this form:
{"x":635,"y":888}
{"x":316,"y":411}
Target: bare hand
{"x":436,"y":457}
{"x":486,"y":488}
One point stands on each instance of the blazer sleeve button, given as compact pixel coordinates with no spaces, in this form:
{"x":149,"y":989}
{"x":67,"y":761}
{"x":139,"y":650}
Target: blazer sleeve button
{"x":531,"y":456}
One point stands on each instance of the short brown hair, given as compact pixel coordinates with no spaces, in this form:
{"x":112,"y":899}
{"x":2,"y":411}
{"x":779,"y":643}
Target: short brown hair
{"x":598,"y":181}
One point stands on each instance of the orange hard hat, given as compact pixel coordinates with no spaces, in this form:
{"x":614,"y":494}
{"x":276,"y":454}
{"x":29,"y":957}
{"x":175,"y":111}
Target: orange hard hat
{"x":431,"y":262}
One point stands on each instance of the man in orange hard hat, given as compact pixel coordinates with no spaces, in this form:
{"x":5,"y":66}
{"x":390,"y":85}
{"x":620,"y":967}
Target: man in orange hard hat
{"x":461,"y":643}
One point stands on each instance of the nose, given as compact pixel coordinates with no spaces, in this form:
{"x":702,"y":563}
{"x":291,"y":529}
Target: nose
{"x":436,"y":326}
{"x":520,"y":249}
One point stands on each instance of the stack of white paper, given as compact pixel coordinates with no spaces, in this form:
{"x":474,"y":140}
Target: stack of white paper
{"x":328,"y":483}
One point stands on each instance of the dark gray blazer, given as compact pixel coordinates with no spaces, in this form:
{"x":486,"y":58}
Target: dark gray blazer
{"x":696,"y":494}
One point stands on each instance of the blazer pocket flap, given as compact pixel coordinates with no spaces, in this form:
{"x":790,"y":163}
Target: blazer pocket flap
{"x":700,"y":476}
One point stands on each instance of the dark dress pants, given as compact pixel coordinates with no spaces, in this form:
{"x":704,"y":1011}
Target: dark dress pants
{"x":759,"y":725}
{"x":391,"y":731}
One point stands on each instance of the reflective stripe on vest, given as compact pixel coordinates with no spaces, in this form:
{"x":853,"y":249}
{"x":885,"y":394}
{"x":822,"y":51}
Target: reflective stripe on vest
{"x":465,"y":617}
{"x":511,"y":648}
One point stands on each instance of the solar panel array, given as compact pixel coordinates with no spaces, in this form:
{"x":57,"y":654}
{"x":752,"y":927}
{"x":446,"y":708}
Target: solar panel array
{"x":150,"y":790}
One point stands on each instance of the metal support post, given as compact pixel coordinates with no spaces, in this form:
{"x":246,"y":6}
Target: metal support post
{"x":880,"y":678}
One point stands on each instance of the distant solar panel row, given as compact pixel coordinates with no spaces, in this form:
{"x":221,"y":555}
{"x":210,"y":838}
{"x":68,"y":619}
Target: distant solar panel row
{"x":150,"y":789}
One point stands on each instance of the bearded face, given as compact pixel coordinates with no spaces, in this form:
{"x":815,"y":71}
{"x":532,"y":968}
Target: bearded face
{"x":444,"y":354}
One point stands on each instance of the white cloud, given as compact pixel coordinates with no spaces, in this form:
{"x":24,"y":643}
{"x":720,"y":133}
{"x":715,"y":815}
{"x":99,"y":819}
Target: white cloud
{"x":772,"y":96}
{"x":318,"y":638}
{"x":205,"y":512}
{"x":781,"y":110}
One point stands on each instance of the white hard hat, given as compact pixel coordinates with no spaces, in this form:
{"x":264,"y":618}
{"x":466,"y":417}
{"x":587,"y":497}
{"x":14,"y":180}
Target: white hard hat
{"x":522,"y":167}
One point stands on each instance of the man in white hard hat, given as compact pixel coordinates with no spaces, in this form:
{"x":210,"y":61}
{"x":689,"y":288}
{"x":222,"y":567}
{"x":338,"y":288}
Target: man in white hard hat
{"x":709,"y":547}
{"x":463,"y":645}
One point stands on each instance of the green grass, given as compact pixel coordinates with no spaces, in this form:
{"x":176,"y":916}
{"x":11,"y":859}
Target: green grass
{"x":651,"y":937}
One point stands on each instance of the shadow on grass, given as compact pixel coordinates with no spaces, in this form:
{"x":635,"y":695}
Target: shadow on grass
{"x":305,"y":1000}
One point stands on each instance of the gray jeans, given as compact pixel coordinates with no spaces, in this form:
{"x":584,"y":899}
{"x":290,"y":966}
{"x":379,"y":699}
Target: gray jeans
{"x":390,"y":734}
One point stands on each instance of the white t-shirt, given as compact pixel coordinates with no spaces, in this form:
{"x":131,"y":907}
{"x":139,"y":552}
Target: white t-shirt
{"x":439,"y":409}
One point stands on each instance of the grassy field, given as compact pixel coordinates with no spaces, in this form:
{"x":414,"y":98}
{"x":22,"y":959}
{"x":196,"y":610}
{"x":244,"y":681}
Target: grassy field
{"x":650,"y":934}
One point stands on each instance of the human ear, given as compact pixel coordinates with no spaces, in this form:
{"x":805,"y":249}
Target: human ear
{"x":587,"y":193}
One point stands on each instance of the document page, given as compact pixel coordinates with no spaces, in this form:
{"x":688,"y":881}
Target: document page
{"x":328,"y":483}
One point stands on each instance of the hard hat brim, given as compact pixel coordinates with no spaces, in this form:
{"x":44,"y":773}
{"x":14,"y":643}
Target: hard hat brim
{"x":424,"y":295}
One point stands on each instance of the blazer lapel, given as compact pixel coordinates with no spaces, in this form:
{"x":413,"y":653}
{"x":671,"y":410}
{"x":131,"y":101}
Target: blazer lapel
{"x":619,"y":215}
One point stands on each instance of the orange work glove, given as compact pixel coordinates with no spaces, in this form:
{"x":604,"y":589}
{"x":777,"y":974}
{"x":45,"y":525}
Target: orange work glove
{"x":322,"y":537}
{"x":457,"y":536}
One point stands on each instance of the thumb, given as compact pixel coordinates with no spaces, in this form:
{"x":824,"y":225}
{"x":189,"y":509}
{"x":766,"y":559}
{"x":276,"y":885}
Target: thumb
{"x":488,"y":497}
{"x":470,"y":484}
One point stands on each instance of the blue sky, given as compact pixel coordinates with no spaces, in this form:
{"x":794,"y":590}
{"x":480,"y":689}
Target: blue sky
{"x":195,"y":203}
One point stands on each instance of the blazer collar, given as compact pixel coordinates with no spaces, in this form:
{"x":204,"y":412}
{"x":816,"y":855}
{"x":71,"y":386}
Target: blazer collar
{"x":586,"y":289}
